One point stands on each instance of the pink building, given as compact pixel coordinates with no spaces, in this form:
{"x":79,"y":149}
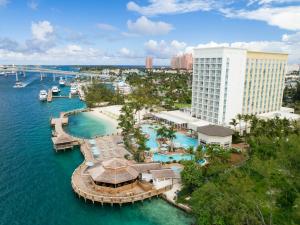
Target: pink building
{"x":184,"y":61}
{"x":149,"y":62}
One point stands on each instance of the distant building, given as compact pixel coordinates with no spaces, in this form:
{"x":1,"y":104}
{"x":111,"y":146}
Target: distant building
{"x":184,"y":61}
{"x":232,"y":81}
{"x":149,"y":62}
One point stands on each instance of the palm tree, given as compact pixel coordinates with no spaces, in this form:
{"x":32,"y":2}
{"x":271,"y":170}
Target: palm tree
{"x":246,"y":119}
{"x":162,"y":132}
{"x":171,"y":135}
{"x":240,"y":118}
{"x":234,"y":123}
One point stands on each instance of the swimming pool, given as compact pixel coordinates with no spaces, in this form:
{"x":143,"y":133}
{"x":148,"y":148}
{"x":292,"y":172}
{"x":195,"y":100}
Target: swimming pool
{"x":181,"y":140}
{"x":157,"y":157}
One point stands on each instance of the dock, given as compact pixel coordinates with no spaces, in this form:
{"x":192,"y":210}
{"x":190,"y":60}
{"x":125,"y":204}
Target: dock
{"x":49,"y":96}
{"x":61,"y":140}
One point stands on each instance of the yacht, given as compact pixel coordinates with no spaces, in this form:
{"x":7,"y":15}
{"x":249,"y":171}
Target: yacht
{"x":62,"y":82}
{"x":74,"y":89}
{"x":55,"y":90}
{"x":43,"y":95}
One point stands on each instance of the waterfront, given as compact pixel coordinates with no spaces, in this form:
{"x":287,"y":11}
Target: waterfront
{"x":35,"y":181}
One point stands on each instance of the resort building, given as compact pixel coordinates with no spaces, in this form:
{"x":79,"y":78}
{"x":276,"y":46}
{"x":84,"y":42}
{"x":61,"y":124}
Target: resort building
{"x":229,"y":81}
{"x":179,"y":119}
{"x":122,"y":87}
{"x":149,"y":62}
{"x":213,"y":134}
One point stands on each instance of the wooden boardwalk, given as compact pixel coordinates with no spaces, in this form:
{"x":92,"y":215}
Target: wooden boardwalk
{"x":49,"y":96}
{"x":62,"y":140}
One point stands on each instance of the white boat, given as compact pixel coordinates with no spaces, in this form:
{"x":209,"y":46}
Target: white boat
{"x":43,"y":95}
{"x":55,"y":90}
{"x":18,"y":83}
{"x":62,"y":82}
{"x":74,"y":90}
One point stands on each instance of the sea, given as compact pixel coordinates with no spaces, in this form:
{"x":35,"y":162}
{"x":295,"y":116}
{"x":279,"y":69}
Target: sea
{"x":35,"y":182}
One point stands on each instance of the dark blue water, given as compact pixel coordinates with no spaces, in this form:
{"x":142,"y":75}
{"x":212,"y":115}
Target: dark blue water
{"x":35,"y":181}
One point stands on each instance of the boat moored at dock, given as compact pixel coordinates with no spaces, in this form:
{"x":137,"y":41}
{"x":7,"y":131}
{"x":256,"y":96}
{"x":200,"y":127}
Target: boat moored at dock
{"x":62,"y":82}
{"x":43,"y":95}
{"x":55,"y":90}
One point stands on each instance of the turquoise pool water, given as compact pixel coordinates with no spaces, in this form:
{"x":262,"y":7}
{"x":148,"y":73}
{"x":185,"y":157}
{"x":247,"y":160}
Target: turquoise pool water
{"x":157,"y":157}
{"x":180,"y":140}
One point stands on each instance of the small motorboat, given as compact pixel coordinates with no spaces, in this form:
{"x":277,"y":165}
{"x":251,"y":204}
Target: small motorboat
{"x":55,"y":90}
{"x":43,"y":95}
{"x":62,"y":82}
{"x":19,"y":84}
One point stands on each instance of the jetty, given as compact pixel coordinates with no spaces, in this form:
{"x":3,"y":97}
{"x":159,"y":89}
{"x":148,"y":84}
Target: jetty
{"x":62,"y":140}
{"x":49,"y":96}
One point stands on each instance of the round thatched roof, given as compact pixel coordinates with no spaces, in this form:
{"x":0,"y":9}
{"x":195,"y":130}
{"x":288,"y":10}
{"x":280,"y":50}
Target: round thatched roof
{"x":114,"y":171}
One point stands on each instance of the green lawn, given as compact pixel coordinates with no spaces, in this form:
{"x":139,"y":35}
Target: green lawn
{"x":182,"y":105}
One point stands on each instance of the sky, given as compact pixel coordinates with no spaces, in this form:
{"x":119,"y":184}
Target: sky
{"x":123,"y":32}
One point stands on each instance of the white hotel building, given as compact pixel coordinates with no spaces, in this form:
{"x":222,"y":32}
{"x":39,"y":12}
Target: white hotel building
{"x":230,"y":81}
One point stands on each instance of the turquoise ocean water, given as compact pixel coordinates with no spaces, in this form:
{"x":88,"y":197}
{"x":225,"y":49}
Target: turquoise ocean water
{"x":35,"y":181}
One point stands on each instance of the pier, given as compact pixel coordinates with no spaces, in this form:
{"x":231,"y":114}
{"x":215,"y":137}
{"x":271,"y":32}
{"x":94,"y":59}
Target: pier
{"x":49,"y":96}
{"x":61,"y":140}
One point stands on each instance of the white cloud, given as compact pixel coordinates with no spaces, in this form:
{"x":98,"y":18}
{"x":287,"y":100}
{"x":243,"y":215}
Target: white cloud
{"x":284,"y":17}
{"x":147,"y":27}
{"x":289,"y":44}
{"x":126,"y":34}
{"x":284,"y":14}
{"x":3,"y":2}
{"x":107,"y":27}
{"x":291,"y":38}
{"x":164,"y":50}
{"x":125,"y":51}
{"x":159,"y":7}
{"x":33,"y":5}
{"x":268,"y":2}
{"x":42,"y":30}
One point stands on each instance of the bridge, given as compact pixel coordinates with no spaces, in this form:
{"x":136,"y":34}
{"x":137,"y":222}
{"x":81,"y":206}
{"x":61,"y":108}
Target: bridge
{"x":36,"y":69}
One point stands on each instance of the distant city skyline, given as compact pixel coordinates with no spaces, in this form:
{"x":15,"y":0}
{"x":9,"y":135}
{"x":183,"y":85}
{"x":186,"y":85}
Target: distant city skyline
{"x":125,"y":32}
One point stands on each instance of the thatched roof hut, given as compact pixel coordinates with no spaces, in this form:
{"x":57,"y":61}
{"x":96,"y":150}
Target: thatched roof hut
{"x":114,"y":171}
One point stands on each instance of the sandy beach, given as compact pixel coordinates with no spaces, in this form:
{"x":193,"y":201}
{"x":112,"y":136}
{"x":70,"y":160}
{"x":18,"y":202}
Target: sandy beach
{"x":97,"y":113}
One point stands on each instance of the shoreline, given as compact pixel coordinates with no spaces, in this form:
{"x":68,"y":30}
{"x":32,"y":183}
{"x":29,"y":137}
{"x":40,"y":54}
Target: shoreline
{"x":96,"y":113}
